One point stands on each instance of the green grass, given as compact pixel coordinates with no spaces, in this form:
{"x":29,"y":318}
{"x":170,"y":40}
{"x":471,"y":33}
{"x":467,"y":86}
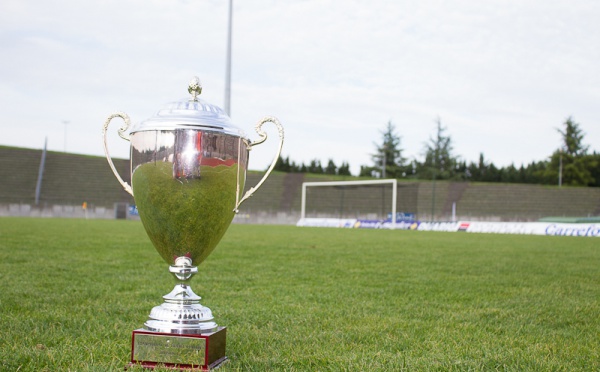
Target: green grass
{"x":302,"y":299}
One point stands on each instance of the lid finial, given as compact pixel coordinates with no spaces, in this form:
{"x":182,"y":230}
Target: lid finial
{"x":195,"y":88}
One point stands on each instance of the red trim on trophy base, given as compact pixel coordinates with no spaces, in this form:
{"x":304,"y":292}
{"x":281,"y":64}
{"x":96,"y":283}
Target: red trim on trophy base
{"x":178,"y":367}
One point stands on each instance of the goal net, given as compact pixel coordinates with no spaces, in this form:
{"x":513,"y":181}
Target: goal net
{"x":350,"y":200}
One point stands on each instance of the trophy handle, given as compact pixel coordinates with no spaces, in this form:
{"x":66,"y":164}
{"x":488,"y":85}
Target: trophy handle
{"x":123,"y":135}
{"x":263,"y":138}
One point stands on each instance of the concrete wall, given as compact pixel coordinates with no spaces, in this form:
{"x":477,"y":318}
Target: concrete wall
{"x":70,"y":211}
{"x":59,"y":211}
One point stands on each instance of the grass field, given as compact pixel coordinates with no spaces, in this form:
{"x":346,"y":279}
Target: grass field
{"x":302,"y":299}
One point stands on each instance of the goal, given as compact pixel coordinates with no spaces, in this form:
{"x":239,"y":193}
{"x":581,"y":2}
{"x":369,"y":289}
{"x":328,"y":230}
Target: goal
{"x":370,"y":200}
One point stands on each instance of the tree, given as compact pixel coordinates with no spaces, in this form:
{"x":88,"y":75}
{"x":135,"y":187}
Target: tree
{"x":331,"y":168}
{"x":570,"y":165}
{"x":594,"y":161}
{"x":462,"y":170}
{"x":572,"y":138}
{"x":533,"y":172}
{"x":289,"y":166}
{"x":344,"y":169}
{"x":315,"y":167}
{"x":282,"y":164}
{"x":477,"y":171}
{"x":509,"y":174}
{"x":439,"y":161}
{"x":387,"y":160}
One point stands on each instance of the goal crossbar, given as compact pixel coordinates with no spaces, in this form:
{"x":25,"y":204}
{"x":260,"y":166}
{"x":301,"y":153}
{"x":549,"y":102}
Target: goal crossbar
{"x":393,"y":182}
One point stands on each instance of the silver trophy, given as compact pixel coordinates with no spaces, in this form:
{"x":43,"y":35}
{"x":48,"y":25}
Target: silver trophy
{"x":188,"y":172}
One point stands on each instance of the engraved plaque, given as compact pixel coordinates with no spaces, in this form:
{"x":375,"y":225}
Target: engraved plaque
{"x":202,"y":352}
{"x":169,"y":349}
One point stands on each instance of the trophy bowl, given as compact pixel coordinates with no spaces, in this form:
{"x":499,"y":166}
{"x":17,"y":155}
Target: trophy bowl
{"x":188,"y":173}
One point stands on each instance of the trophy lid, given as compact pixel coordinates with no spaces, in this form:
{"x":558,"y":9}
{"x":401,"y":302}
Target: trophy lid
{"x":190,"y":113}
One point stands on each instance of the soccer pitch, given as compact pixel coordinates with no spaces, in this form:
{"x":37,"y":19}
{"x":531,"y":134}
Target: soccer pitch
{"x":306,"y":299}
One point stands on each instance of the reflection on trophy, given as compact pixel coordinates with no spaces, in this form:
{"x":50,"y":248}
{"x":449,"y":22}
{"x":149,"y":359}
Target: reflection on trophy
{"x":188,"y":172}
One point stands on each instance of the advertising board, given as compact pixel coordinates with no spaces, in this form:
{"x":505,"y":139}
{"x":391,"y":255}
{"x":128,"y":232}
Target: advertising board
{"x":526,"y":228}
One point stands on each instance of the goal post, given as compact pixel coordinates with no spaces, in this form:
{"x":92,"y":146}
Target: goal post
{"x":341,"y":184}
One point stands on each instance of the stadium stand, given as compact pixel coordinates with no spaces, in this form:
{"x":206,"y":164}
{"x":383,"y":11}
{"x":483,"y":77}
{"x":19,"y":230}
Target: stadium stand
{"x":71,"y":179}
{"x":68,"y":179}
{"x":509,"y":202}
{"x":18,"y":174}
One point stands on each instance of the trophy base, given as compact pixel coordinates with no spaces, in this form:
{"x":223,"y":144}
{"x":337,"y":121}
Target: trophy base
{"x":196,"y":352}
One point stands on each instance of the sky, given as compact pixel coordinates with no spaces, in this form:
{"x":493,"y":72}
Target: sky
{"x":501,"y":75}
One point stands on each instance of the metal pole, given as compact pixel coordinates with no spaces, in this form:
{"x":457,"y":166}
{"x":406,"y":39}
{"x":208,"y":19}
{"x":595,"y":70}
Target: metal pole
{"x":560,"y":168}
{"x":38,"y":186}
{"x":433,"y":189}
{"x":453,"y":211}
{"x":433,"y":199}
{"x":394,"y":201}
{"x":303,"y":203}
{"x":383,"y":165}
{"x":227,"y":105}
{"x":341,"y":214}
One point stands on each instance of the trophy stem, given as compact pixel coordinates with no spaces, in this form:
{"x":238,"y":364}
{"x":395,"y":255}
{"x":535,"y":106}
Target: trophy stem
{"x":181,"y":313}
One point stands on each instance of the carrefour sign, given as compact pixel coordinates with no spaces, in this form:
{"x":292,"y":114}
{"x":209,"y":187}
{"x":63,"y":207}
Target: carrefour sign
{"x":531,"y":228}
{"x":526,"y":228}
{"x":573,"y":230}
